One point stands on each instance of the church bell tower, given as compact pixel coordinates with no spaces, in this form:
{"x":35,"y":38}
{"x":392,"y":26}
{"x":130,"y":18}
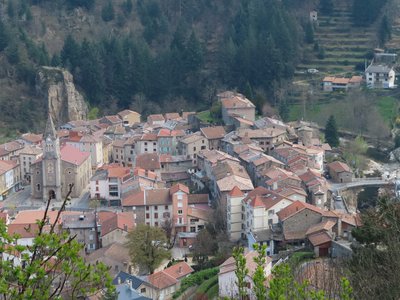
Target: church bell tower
{"x":51,"y":163}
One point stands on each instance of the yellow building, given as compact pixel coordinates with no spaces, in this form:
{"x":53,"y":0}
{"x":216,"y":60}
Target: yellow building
{"x":129,"y":117}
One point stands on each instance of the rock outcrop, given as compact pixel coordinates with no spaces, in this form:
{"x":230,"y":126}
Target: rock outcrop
{"x":65,"y":103}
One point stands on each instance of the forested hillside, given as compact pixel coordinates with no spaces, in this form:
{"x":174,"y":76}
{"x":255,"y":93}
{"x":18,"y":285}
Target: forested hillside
{"x":144,"y":53}
{"x":150,"y":55}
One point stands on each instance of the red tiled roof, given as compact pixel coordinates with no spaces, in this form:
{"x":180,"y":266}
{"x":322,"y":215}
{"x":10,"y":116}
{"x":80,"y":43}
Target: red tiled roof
{"x":7,"y":165}
{"x":211,"y":133}
{"x":115,"y":170}
{"x":23,"y":230}
{"x":339,"y":167}
{"x":320,"y":238}
{"x":236,"y":192}
{"x":172,"y":116}
{"x":161,"y":280}
{"x":110,"y":221}
{"x":179,"y":187}
{"x":133,"y":199}
{"x":198,"y":199}
{"x":148,"y":161}
{"x":149,"y":137}
{"x":179,"y":270}
{"x":298,"y":206}
{"x":73,"y":155}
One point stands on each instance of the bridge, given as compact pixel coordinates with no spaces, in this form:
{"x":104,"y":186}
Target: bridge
{"x":340,"y":203}
{"x":361,"y":182}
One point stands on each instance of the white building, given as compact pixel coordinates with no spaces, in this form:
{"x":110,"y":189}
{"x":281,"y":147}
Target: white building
{"x":227,"y":280}
{"x":380,"y":73}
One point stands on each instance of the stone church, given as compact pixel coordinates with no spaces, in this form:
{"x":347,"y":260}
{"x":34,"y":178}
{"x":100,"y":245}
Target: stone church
{"x":59,"y":168}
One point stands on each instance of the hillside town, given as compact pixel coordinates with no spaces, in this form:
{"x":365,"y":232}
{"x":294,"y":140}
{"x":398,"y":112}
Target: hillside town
{"x":268,"y":181}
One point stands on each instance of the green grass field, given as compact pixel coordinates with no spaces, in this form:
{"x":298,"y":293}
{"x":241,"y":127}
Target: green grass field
{"x":205,"y":116}
{"x":388,"y":108}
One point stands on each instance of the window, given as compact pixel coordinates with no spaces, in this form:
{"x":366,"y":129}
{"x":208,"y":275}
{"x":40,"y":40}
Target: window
{"x":194,"y":148}
{"x":166,"y":207}
{"x":147,"y":216}
{"x":155,"y":207}
{"x":202,"y":141}
{"x":147,"y":208}
{"x":180,"y":203}
{"x":145,"y":143}
{"x":156,"y":215}
{"x":97,"y":188}
{"x":192,"y":221}
{"x":180,"y":212}
{"x":156,"y":224}
{"x":97,"y":182}
{"x":200,"y":227}
{"x":145,"y":149}
{"x":38,"y":187}
{"x":271,"y":212}
{"x":192,"y":229}
{"x":154,"y":144}
{"x":143,"y":290}
{"x":180,"y":220}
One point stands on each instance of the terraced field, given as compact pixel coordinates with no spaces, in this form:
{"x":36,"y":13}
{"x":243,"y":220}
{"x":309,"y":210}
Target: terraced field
{"x":345,"y":46}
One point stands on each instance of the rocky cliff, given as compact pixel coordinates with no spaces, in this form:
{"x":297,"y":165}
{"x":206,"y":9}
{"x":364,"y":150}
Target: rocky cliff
{"x":65,"y":103}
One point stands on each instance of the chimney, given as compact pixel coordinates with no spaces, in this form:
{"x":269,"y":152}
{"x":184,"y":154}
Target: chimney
{"x":119,"y":280}
{"x":180,"y":270}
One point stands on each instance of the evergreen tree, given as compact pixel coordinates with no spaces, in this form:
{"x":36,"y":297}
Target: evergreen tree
{"x":4,"y":36}
{"x":92,"y":72}
{"x":107,"y":12}
{"x":127,"y":7}
{"x":309,"y":31}
{"x":284,"y":111}
{"x":70,"y":53}
{"x":384,"y":31}
{"x":331,"y":132}
{"x":56,"y":60}
{"x":13,"y":54}
{"x":193,"y":54}
{"x":10,"y":9}
{"x":326,"y":7}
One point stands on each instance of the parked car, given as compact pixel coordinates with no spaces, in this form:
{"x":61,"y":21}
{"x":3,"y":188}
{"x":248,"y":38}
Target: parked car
{"x":312,"y":71}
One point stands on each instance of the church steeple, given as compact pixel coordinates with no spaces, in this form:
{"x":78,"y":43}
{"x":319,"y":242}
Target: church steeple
{"x":50,"y":130}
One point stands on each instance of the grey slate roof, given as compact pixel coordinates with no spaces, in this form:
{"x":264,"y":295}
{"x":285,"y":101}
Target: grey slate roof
{"x":378,"y":69}
{"x":136,"y":281}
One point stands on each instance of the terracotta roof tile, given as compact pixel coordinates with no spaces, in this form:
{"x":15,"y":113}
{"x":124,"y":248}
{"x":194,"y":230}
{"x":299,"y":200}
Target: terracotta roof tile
{"x":179,"y":270}
{"x":212,"y":133}
{"x":339,"y":167}
{"x":179,"y":187}
{"x":236,"y":192}
{"x":320,"y":238}
{"x":161,"y":280}
{"x":73,"y":155}
{"x":148,"y":161}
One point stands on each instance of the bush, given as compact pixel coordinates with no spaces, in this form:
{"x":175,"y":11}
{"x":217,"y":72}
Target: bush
{"x":299,"y":257}
{"x":195,"y":279}
{"x":206,"y":285}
